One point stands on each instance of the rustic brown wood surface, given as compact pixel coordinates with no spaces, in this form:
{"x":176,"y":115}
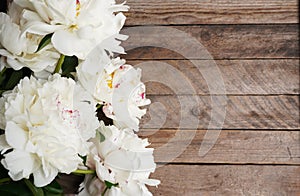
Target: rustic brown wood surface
{"x":221,"y":41}
{"x":242,"y":112}
{"x":195,"y":180}
{"x":211,"y":12}
{"x":232,"y":147}
{"x":255,"y":46}
{"x":241,"y":77}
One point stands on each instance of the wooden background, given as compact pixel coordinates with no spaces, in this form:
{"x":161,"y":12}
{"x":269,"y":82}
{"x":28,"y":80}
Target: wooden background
{"x":256,"y":47}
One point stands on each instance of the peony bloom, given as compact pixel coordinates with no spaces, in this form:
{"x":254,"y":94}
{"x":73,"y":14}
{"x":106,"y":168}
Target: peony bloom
{"x":119,"y":156}
{"x":47,"y":125}
{"x":78,"y":26}
{"x":18,"y":49}
{"x":128,"y":96}
{"x":115,"y":84}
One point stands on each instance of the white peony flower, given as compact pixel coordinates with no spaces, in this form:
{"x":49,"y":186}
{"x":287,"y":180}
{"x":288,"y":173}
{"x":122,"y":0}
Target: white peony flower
{"x":18,"y":49}
{"x":78,"y":26}
{"x":96,"y":74}
{"x":128,"y":96}
{"x":115,"y":84}
{"x":121,"y":158}
{"x":48,"y":124}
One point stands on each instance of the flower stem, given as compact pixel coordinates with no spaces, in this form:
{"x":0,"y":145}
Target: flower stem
{"x":80,"y":171}
{"x":59,"y":63}
{"x":4,"y":180}
{"x":3,"y":70}
{"x":106,"y":188}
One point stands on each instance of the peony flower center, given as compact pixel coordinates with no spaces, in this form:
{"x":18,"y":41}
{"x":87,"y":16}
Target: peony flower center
{"x":73,"y":27}
{"x":110,"y":81}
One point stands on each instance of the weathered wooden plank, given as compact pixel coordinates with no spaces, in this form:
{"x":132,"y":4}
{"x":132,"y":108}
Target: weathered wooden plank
{"x":227,"y":180}
{"x":212,"y":42}
{"x":232,"y":147}
{"x":240,"y":77}
{"x":237,"y":112}
{"x":211,"y":12}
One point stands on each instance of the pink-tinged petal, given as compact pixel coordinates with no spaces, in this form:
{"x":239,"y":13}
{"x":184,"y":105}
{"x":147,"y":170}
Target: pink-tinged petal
{"x":103,"y":173}
{"x":16,"y":137}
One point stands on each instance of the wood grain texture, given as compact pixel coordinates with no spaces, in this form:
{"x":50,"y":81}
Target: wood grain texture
{"x":240,"y":77}
{"x":227,"y":180}
{"x":220,"y":41}
{"x":232,"y":146}
{"x":241,"y":112}
{"x":211,"y":12}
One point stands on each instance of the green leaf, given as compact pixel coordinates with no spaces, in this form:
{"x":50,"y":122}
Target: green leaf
{"x":36,"y":191}
{"x":83,"y":159}
{"x":109,"y":184}
{"x":3,"y":171}
{"x":14,"y":79}
{"x":44,"y":42}
{"x":100,"y":136}
{"x":53,"y":189}
{"x":2,"y":75}
{"x":10,"y":78}
{"x":69,"y":65}
{"x":15,"y":188}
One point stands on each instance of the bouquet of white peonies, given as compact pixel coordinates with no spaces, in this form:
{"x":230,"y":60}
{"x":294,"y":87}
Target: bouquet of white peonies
{"x":68,"y":105}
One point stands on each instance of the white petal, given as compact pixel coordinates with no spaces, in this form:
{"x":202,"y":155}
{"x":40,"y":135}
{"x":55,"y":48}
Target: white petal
{"x":4,"y":18}
{"x":40,"y":177}
{"x":20,"y":164}
{"x":69,"y":43}
{"x":85,"y":104}
{"x":150,"y":182}
{"x":131,"y":161}
{"x":3,"y":144}
{"x":10,"y":38}
{"x":16,"y":136}
{"x":40,"y":28}
{"x":103,"y":172}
